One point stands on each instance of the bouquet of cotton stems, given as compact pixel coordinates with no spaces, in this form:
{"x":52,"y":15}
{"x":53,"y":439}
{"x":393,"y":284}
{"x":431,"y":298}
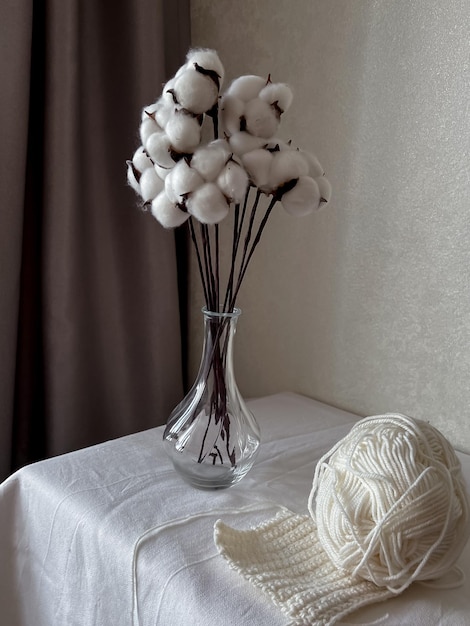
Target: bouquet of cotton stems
{"x":182,"y":178}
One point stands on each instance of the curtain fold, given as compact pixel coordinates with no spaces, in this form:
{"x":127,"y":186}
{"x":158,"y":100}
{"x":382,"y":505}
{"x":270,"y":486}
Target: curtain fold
{"x":94,"y":341}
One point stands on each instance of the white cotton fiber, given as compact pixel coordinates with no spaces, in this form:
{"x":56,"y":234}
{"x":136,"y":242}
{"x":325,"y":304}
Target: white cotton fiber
{"x":164,"y":112}
{"x":233,"y":182}
{"x":246,"y":87}
{"x":209,"y":160}
{"x":231,"y":110}
{"x":208,"y":204}
{"x":182,"y":180}
{"x":195,"y":92}
{"x":277,"y":93}
{"x":150,"y":184}
{"x":183,"y":131}
{"x":141,"y":160}
{"x":158,"y":147}
{"x":258,"y":164}
{"x":303,"y":198}
{"x":286,"y":165}
{"x":162,"y":172}
{"x":315,"y":168}
{"x":131,"y":179}
{"x":166,"y":212}
{"x":325,"y":189}
{"x":242,"y":142}
{"x":261,"y":118}
{"x":148,"y":126}
{"x":208,"y":59}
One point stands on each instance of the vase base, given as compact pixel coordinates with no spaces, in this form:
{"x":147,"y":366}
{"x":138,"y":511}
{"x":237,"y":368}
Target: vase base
{"x":210,"y":478}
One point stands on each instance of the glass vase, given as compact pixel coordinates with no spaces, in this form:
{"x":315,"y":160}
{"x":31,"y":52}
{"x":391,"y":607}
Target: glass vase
{"x":212,"y":437}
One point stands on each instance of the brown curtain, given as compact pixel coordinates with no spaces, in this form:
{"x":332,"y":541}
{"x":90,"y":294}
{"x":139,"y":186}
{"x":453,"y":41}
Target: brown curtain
{"x":89,"y":313}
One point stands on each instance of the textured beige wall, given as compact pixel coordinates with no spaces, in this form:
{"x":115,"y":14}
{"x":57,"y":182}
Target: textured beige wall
{"x":365,"y":306}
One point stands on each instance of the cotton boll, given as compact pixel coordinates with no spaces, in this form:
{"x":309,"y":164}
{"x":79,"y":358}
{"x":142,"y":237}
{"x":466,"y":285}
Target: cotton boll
{"x":242,"y":142}
{"x":208,"y":59}
{"x":286,"y":165}
{"x":303,"y":198}
{"x":183,"y":131}
{"x":132,"y":179}
{"x":150,"y":184}
{"x":166,"y":212}
{"x":315,"y":168}
{"x":233,"y":182}
{"x":261,"y":119}
{"x":158,"y":147}
{"x":164,"y":112}
{"x":148,"y":126}
{"x":258,"y":164}
{"x":231,"y":110}
{"x":325,"y":189}
{"x":141,"y":160}
{"x":208,"y":204}
{"x":182,"y":180}
{"x":195,"y":92}
{"x":246,"y":87}
{"x":162,"y":172}
{"x":277,"y":93}
{"x":209,"y":160}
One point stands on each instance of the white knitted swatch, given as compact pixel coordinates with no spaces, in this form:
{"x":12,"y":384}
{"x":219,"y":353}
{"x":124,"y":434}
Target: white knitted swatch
{"x":284,"y":558}
{"x":388,"y":507}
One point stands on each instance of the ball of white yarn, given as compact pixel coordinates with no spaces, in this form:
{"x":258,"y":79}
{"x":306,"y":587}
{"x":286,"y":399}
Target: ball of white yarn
{"x":390,"y":503}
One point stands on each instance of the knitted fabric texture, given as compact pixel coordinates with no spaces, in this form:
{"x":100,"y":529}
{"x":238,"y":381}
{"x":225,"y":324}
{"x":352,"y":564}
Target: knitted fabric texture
{"x":388,"y":506}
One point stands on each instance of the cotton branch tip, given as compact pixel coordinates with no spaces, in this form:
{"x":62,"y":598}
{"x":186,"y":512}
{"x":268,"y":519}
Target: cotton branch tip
{"x":208,"y":204}
{"x":166,"y":212}
{"x":303,"y":199}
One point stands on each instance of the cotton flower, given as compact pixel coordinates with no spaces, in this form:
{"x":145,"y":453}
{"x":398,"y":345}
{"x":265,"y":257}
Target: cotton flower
{"x":150,"y":184}
{"x":209,"y":160}
{"x":208,"y":204}
{"x":181,"y":181}
{"x":166,"y":212}
{"x":233,"y":181}
{"x":140,"y":162}
{"x":148,"y":125}
{"x":303,"y":198}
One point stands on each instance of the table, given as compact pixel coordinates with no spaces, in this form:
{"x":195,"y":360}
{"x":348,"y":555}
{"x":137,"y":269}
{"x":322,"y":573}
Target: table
{"x":111,"y":536}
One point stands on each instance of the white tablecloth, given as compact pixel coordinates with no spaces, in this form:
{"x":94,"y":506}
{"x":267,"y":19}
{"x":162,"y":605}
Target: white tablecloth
{"x":110,"y":535}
